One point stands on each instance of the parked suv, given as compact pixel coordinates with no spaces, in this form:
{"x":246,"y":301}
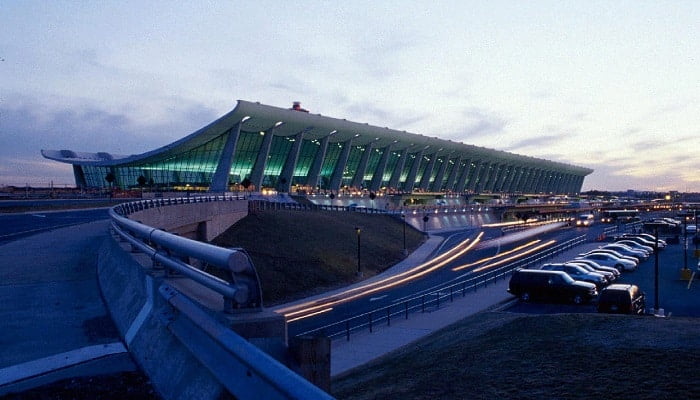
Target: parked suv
{"x":530,"y":284}
{"x":621,"y":298}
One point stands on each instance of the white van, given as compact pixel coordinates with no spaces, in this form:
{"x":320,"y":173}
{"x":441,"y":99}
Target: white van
{"x":585,"y":220}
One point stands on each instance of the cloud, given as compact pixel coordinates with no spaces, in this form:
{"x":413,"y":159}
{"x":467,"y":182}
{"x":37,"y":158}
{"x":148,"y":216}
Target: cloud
{"x":476,"y":124}
{"x":537,"y":141}
{"x":27,"y":126}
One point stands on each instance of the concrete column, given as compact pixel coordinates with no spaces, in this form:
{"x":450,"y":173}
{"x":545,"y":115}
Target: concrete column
{"x":492,"y":178}
{"x":312,"y":179}
{"x":463,"y":173}
{"x":452,"y":177}
{"x":411,"y":178}
{"x":219,"y":182}
{"x":539,"y":182}
{"x":256,"y":176}
{"x":291,"y":162}
{"x":509,"y":174}
{"x":398,"y":169}
{"x":474,"y":175}
{"x":425,"y":179}
{"x":437,"y":183}
{"x":514,"y":173}
{"x":483,"y":178}
{"x":530,"y":183}
{"x":79,"y":175}
{"x":531,"y":186}
{"x":556,"y":184}
{"x":337,"y":177}
{"x":362,"y":167}
{"x":378,"y":175}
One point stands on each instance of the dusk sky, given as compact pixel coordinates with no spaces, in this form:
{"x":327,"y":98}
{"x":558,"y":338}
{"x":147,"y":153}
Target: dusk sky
{"x":609,"y":85}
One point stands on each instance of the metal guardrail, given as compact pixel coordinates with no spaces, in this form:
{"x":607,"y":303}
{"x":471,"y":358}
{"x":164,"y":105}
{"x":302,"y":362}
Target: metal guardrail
{"x":434,"y":296}
{"x":263,"y":205}
{"x":171,"y":251}
{"x":244,"y":370}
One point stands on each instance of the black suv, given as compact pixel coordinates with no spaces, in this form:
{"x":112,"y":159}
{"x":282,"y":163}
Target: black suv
{"x":621,"y":298}
{"x":530,"y":284}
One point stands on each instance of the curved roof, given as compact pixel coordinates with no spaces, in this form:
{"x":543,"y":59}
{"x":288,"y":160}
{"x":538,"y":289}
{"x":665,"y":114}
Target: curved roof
{"x":288,"y":122}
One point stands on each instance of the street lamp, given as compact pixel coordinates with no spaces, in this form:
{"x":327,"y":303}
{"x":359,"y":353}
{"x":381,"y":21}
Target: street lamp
{"x":403,"y":217}
{"x":685,"y":242}
{"x":359,"y":270}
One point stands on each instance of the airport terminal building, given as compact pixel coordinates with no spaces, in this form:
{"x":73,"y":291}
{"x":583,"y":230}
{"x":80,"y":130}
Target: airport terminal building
{"x":291,"y":150}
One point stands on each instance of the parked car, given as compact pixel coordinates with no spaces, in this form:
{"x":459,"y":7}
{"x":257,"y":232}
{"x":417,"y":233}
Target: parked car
{"x":661,"y":243}
{"x":578,"y":273}
{"x":614,"y":253}
{"x":610,"y":260}
{"x":597,"y":266}
{"x":625,"y":250}
{"x":531,"y":284}
{"x":609,"y":276}
{"x":636,"y":245}
{"x":621,"y":298}
{"x":641,"y":241}
{"x":649,"y":237}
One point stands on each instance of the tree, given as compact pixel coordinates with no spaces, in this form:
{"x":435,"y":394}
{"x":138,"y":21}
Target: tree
{"x":246,"y":183}
{"x":110,"y":178}
{"x":141,"y":180}
{"x":282,"y":183}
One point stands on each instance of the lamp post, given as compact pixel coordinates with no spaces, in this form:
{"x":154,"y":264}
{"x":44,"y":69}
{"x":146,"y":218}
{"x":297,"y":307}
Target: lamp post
{"x":359,"y":270}
{"x":685,"y":242}
{"x":403,"y":217}
{"x":656,"y":270}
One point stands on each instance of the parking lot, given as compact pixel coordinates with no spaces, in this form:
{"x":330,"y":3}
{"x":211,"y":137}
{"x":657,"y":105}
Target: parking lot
{"x":675,"y":296}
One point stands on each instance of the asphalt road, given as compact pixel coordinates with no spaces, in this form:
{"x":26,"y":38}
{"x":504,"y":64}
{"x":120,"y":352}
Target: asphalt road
{"x":20,"y":225}
{"x":395,"y":296}
{"x":674,"y":295}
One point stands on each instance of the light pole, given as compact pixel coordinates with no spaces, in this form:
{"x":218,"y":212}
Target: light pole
{"x":359,"y":270}
{"x":403,"y":217}
{"x":656,"y":270}
{"x":685,"y":242}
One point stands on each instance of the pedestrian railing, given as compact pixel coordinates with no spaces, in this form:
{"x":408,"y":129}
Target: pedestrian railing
{"x":175,"y":254}
{"x":432,"y":298}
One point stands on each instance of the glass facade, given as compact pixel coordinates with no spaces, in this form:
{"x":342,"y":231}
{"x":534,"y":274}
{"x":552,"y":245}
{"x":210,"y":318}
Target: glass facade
{"x":194,"y":163}
{"x":246,"y":152}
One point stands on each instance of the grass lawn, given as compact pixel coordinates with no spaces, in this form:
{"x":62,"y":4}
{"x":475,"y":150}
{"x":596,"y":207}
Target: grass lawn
{"x":299,"y":253}
{"x":500,"y":355}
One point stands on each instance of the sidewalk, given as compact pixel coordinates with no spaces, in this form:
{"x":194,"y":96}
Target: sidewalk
{"x":364,"y":346}
{"x":55,"y":324}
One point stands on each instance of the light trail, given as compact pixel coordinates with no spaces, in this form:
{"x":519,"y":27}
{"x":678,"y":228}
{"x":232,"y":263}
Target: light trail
{"x":507,"y":259}
{"x":311,"y":308}
{"x":310,"y":315}
{"x":487,"y":259}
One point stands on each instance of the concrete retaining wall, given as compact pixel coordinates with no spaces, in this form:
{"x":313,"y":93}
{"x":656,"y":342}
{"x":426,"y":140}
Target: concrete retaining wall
{"x":199,"y":221}
{"x":142,"y":316}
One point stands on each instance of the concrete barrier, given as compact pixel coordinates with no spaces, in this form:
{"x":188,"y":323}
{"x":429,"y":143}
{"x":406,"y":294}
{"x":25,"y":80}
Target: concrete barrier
{"x":199,"y":221}
{"x":176,"y":331}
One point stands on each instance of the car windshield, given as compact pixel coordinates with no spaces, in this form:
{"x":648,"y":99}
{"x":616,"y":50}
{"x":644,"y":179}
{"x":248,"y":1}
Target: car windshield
{"x":569,"y":280}
{"x":575,"y":269}
{"x":611,"y":252}
{"x":586,"y":267}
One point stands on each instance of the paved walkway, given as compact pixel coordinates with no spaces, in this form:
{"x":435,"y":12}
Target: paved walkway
{"x":52,"y":313}
{"x":364,"y":346}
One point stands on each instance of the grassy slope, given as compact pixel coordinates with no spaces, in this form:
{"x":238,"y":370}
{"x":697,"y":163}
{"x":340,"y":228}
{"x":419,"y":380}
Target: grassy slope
{"x":299,"y":253}
{"x":514,"y":356}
